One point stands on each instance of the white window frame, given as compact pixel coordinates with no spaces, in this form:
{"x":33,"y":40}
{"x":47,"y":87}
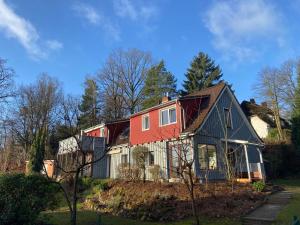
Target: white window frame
{"x":160,"y":116}
{"x":143,"y":122}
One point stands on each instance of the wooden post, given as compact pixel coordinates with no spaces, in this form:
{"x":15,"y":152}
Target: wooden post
{"x":247,"y":162}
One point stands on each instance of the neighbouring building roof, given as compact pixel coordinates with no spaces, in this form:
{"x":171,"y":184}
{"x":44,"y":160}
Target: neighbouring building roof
{"x":250,"y":109}
{"x":210,"y":95}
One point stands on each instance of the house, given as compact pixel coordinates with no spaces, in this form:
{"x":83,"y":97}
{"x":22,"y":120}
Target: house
{"x":261,"y":117}
{"x":204,"y":124}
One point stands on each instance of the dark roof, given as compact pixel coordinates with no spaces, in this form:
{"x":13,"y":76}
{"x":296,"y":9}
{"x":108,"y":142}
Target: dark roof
{"x":263,"y":112}
{"x":212,"y":93}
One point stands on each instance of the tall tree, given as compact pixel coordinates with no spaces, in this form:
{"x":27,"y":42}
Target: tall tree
{"x":122,"y":81}
{"x":268,"y":88}
{"x":89,"y":105}
{"x":202,"y":73}
{"x":159,"y":82}
{"x":296,"y":113}
{"x":34,"y":115}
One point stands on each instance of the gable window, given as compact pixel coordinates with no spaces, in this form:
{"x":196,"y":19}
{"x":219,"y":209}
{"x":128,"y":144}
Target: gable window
{"x":102,"y":132}
{"x":167,"y":116}
{"x":124,"y":159}
{"x":207,"y":156}
{"x":228,"y":118}
{"x":145,"y":122}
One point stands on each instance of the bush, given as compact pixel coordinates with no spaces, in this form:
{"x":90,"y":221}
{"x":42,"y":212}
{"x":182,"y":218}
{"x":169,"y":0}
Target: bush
{"x":259,"y":186}
{"x":22,"y":198}
{"x":93,"y":183}
{"x":155,"y":172}
{"x":129,"y":172}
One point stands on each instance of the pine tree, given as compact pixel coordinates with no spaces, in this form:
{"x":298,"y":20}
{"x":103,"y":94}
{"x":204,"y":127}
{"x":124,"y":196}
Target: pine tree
{"x":89,"y":105}
{"x":202,"y":73}
{"x":159,"y":82}
{"x":296,"y":113}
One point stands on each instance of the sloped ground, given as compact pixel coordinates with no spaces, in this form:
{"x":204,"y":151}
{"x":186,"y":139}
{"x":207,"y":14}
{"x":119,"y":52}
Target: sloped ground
{"x":170,"y":201}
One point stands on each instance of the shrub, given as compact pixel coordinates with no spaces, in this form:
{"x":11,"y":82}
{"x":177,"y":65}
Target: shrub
{"x":93,"y":183}
{"x":139,"y":155}
{"x":155,"y":172}
{"x":259,"y":186}
{"x":22,"y":198}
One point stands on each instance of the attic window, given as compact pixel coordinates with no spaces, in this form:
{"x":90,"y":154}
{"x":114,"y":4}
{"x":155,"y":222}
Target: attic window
{"x":167,"y":116}
{"x":228,"y":118}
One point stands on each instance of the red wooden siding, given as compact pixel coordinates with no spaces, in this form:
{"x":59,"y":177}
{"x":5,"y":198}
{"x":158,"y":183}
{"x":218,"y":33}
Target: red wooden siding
{"x":155,"y":131}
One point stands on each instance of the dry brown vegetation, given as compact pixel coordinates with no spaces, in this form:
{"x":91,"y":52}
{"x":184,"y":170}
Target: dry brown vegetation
{"x":170,"y":201}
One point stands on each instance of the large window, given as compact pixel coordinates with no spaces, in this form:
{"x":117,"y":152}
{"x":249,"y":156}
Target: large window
{"x":207,"y":156}
{"x":145,"y":122}
{"x":167,"y":116}
{"x":228,"y":119}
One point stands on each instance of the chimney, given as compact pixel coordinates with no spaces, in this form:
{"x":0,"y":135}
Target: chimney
{"x":165,"y":98}
{"x":264,"y":104}
{"x":252,"y":100}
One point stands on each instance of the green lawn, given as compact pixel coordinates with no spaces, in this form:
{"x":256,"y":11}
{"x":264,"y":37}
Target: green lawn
{"x":293,"y":208}
{"x":90,"y":218}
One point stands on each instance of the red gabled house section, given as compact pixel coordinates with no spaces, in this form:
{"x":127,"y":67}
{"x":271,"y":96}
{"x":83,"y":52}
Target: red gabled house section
{"x":189,"y":110}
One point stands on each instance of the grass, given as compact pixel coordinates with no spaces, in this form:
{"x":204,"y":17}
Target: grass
{"x":91,"y":218}
{"x":293,"y":208}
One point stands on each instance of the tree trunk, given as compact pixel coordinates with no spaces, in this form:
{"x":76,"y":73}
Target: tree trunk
{"x":74,"y":200}
{"x":277,"y":119}
{"x":194,"y":208}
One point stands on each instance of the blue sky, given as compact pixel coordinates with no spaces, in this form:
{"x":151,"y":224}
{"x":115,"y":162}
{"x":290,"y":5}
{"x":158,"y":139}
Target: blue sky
{"x":70,"y":39}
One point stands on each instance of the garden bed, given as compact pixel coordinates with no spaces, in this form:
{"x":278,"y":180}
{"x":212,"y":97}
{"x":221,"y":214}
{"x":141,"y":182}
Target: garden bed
{"x":170,"y":201}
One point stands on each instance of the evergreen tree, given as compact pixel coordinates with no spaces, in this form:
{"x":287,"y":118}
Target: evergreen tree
{"x":202,"y":73}
{"x":159,"y":82}
{"x":37,"y":152}
{"x":296,"y":113}
{"x":89,"y":105}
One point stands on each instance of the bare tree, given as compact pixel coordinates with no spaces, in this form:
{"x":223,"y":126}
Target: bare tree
{"x":268,"y":89}
{"x":35,"y":110}
{"x":6,"y":81}
{"x":78,"y":156}
{"x":122,"y":80}
{"x":181,"y":155}
{"x":111,"y":91}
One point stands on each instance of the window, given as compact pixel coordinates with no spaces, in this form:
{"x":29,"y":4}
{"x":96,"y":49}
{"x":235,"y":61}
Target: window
{"x":124,"y":159}
{"x":167,"y":116}
{"x":151,"y":158}
{"x":102,"y":132}
{"x":145,"y":122}
{"x":228,"y":120}
{"x":207,"y":156}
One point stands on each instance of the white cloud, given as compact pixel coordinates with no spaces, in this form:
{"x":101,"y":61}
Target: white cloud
{"x":14,"y":26}
{"x":240,"y":27}
{"x":88,"y":12}
{"x":134,"y":12}
{"x":95,"y":18}
{"x":54,"y":44}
